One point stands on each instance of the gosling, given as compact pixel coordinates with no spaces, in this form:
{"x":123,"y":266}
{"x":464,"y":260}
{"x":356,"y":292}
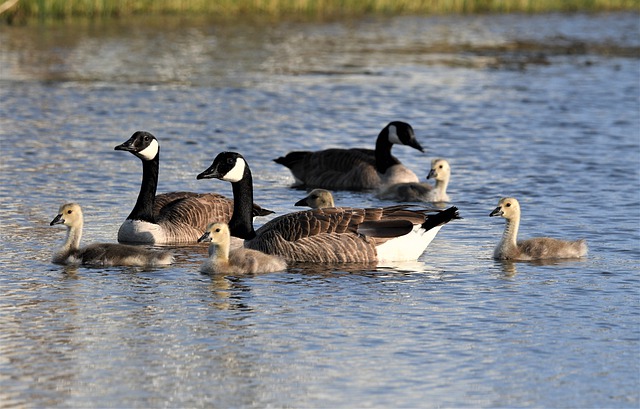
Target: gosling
{"x":237,"y":261}
{"x":422,"y":192}
{"x":317,"y":199}
{"x":100,"y":254}
{"x":532,"y":249}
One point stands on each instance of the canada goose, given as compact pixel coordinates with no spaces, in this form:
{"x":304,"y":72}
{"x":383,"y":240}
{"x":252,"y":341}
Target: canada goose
{"x":100,"y":254}
{"x":422,"y":192}
{"x":239,"y":260}
{"x":331,"y":235}
{"x":317,"y":199}
{"x":531,"y":249}
{"x":175,"y":217}
{"x":354,"y":169}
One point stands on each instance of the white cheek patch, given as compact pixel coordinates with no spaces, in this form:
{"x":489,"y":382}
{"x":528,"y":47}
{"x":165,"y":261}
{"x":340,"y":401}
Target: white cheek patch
{"x":236,"y":174}
{"x":150,"y":151}
{"x":393,"y":135}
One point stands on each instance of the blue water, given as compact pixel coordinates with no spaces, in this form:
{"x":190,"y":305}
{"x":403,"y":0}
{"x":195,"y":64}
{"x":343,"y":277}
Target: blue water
{"x":544,"y":108}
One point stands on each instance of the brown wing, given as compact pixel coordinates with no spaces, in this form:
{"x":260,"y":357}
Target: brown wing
{"x":331,"y":234}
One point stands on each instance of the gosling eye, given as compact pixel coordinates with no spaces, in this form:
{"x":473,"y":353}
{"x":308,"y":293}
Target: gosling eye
{"x":218,"y":230}
{"x":441,"y":166}
{"x":508,"y":205}
{"x":69,"y":211}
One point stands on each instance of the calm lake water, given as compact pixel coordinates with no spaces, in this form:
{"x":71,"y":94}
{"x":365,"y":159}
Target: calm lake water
{"x":545,"y":108}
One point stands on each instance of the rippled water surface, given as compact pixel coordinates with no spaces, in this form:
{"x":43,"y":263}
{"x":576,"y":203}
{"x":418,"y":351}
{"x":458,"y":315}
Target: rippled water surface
{"x":544,"y":108}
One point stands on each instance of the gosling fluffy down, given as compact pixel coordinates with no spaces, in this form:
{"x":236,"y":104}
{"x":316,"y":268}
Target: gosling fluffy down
{"x":100,"y":254}
{"x":532,"y":249}
{"x":421,"y":192}
{"x":240,"y":260}
{"x":317,"y":199}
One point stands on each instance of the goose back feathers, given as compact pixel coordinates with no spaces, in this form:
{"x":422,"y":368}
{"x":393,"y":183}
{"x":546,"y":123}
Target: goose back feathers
{"x":509,"y":248}
{"x":357,"y":168}
{"x":222,"y":260}
{"x":100,"y":254}
{"x":331,"y":235}
{"x":175,"y":217}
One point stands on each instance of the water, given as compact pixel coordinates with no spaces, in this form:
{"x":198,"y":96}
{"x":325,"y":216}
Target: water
{"x":544,"y":108}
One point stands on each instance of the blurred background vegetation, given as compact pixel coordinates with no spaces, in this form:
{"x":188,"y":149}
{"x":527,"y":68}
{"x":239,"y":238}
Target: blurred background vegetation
{"x":312,"y":9}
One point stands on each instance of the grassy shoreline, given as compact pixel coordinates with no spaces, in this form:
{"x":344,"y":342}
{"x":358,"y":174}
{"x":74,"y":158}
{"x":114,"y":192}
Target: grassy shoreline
{"x":62,"y":9}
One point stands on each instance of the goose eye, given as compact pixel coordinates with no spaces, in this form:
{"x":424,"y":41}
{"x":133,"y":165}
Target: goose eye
{"x":146,"y":138}
{"x":69,"y":211}
{"x":508,"y":205}
{"x":230,"y":161}
{"x":441,"y":166}
{"x":218,"y":230}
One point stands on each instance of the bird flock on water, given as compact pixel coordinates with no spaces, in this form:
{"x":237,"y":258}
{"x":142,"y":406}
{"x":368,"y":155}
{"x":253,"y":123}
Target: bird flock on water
{"x":323,"y":233}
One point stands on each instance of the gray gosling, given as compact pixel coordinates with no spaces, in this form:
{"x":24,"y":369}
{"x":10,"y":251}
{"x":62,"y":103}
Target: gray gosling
{"x":317,"y":199}
{"x":100,"y":254}
{"x":240,"y":260}
{"x":532,"y":249}
{"x":421,"y":192}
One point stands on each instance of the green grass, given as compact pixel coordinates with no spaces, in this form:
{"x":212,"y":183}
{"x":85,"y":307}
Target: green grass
{"x":61,"y":9}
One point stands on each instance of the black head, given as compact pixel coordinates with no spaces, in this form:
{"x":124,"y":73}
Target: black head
{"x":227,"y":166}
{"x":402,"y":133}
{"x":142,"y":144}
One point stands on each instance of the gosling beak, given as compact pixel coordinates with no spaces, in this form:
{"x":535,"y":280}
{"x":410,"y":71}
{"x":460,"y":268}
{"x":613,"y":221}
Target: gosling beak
{"x":210,"y":173}
{"x":432,"y":174}
{"x":204,"y":237}
{"x":496,"y":212}
{"x":57,"y":220}
{"x":302,"y":202}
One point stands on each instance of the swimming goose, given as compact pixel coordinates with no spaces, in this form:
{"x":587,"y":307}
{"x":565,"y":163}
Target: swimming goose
{"x":175,"y":217}
{"x":532,"y":249}
{"x":236,"y":261}
{"x":100,"y":254}
{"x":354,"y":169}
{"x":330,"y":235}
{"x":422,"y":192}
{"x":317,"y":199}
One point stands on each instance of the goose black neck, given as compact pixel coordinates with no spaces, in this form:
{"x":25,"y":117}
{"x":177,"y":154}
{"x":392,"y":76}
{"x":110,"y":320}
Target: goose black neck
{"x":384,"y":159}
{"x":143,"y":210}
{"x":241,"y":223}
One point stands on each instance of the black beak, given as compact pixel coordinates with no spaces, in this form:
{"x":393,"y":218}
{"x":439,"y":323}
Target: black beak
{"x":496,"y":212}
{"x":432,"y":173}
{"x":210,"y":173}
{"x":204,"y":237}
{"x":302,"y":202}
{"x":57,"y":220}
{"x":127,"y":146}
{"x":416,"y":145}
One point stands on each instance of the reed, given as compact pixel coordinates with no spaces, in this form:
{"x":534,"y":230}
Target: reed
{"x":60,"y":9}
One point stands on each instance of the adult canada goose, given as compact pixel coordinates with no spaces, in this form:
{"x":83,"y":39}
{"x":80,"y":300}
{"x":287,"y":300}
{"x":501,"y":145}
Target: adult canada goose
{"x":100,"y":254}
{"x":354,"y":169}
{"x":175,"y":217}
{"x":422,"y":192}
{"x":317,"y":199}
{"x":237,"y":261}
{"x":331,"y":235}
{"x":532,"y":249}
